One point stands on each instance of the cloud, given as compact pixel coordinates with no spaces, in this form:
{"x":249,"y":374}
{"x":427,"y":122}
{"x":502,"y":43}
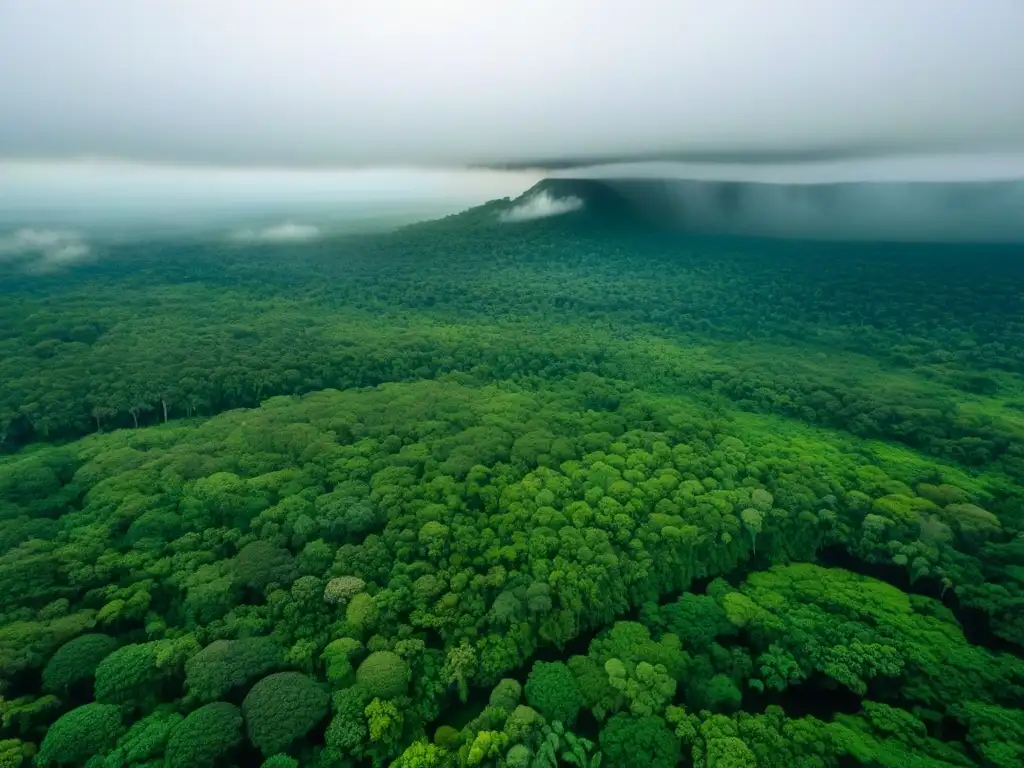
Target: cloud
{"x":287,"y":232}
{"x":43,"y":250}
{"x":542,"y":205}
{"x":390,"y":82}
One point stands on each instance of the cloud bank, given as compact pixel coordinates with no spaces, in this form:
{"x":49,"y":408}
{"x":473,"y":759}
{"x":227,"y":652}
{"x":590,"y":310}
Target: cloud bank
{"x":541,"y":206}
{"x":456,"y":81}
{"x":41,"y":250}
{"x":927,"y":211}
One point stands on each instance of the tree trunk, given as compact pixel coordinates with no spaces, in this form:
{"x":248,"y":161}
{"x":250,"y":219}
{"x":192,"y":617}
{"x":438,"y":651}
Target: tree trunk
{"x":164,"y":403}
{"x":135,"y":418}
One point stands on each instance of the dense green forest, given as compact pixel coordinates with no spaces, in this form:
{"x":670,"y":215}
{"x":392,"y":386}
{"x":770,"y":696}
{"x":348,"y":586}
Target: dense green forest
{"x":564,"y":492}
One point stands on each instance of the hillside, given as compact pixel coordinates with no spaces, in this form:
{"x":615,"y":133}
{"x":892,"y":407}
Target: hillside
{"x":481,"y":492}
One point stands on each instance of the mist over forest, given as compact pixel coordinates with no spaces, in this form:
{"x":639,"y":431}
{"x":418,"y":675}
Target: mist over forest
{"x":52,"y":216}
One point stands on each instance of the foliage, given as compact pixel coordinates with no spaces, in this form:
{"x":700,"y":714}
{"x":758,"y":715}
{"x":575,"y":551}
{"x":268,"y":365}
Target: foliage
{"x":436,"y":470}
{"x":224,"y":665}
{"x":145,"y":741}
{"x":281,"y":708}
{"x":629,"y":740}
{"x":280,"y":761}
{"x":80,"y":734}
{"x":337,"y":657}
{"x":205,"y":736}
{"x":76,"y":661}
{"x":552,"y":690}
{"x":133,"y":674}
{"x":506,"y":695}
{"x":15,"y":753}
{"x":383,"y":674}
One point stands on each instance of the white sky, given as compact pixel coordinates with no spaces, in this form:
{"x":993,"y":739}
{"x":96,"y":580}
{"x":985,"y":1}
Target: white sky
{"x":352,"y":82}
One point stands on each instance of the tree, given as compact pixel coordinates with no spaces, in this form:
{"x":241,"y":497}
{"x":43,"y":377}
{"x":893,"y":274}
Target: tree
{"x":15,"y":753}
{"x":260,"y":564}
{"x":646,"y":687}
{"x":225,"y":665}
{"x":362,"y":612}
{"x":342,"y":589}
{"x":459,"y":665}
{"x":384,"y":675}
{"x":487,"y":745}
{"x":145,"y":741}
{"x":595,"y":687}
{"x":627,"y":740}
{"x":348,"y":733}
{"x":996,"y":733}
{"x":133,"y":675}
{"x":972,"y":524}
{"x":580,"y":752}
{"x":519,"y":756}
{"x":722,"y":695}
{"x":280,"y":761}
{"x":506,"y":694}
{"x":337,"y":658}
{"x":423,"y":754}
{"x":384,"y":721}
{"x":552,"y":690}
{"x":28,"y":715}
{"x":281,"y":708}
{"x":76,"y":661}
{"x":89,"y":730}
{"x":205,"y":736}
{"x":753,"y":520}
{"x":779,"y":668}
{"x":729,"y":752}
{"x":697,"y":620}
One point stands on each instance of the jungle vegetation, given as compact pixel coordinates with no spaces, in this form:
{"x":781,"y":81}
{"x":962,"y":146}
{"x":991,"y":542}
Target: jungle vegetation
{"x":565,"y":492}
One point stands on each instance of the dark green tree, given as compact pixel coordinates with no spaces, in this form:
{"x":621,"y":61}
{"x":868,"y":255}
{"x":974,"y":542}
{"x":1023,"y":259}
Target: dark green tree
{"x":282,"y":708}
{"x":76,"y":736}
{"x":205,"y":737}
{"x":75,"y":662}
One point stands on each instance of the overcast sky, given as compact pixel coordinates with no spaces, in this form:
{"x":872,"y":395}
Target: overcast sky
{"x":339,"y":82}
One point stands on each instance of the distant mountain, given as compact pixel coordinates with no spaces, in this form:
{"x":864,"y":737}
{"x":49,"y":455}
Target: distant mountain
{"x":979,"y":212}
{"x":966,"y":211}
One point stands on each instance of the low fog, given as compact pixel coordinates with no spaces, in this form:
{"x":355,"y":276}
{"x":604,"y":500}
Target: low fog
{"x":43,"y":250}
{"x":278,"y":233}
{"x":55,"y":214}
{"x":116,"y":199}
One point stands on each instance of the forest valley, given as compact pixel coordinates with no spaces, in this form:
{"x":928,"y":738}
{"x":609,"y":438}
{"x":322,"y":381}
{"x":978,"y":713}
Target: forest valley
{"x":570,"y":492}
